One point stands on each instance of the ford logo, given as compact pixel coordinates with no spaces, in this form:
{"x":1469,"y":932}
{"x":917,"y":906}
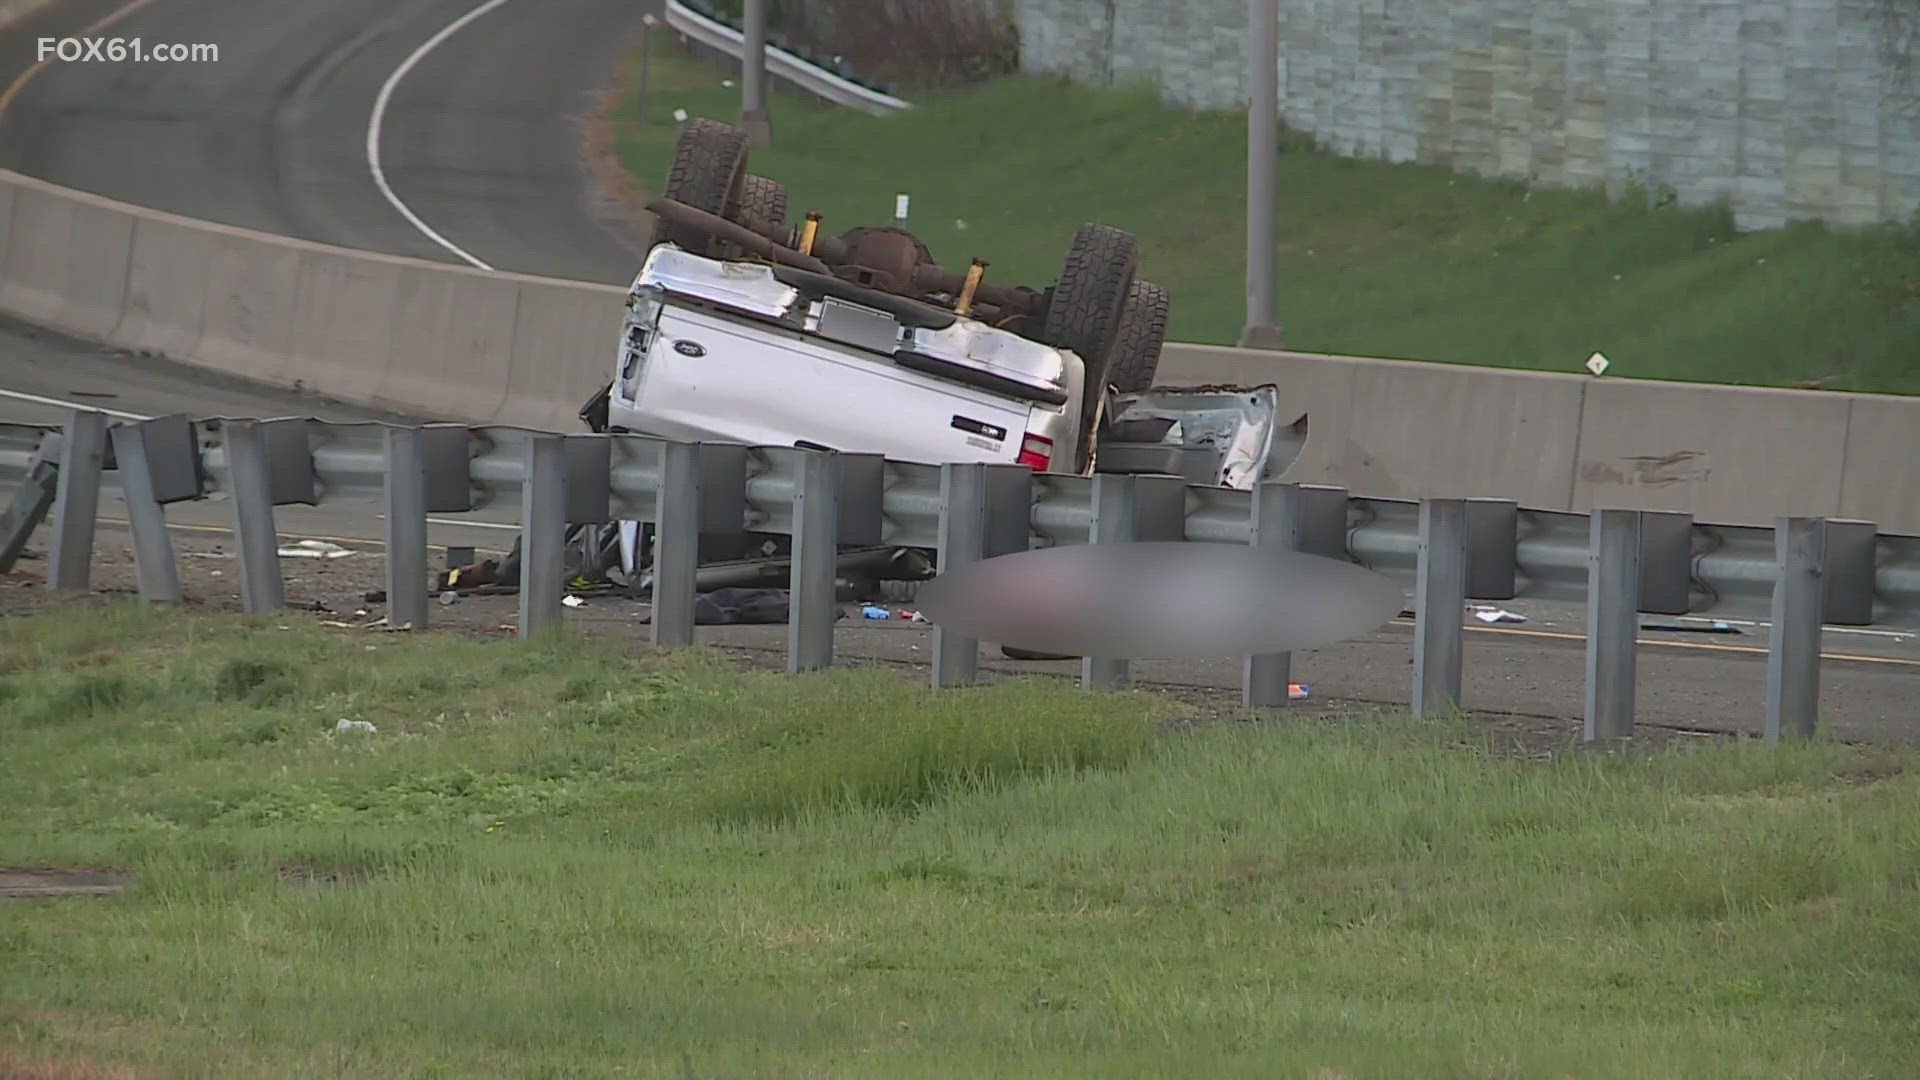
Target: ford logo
{"x":689,"y":348}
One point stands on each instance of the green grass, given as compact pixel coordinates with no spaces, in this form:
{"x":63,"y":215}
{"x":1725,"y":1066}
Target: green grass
{"x":1384,"y":260}
{"x":560,"y":861}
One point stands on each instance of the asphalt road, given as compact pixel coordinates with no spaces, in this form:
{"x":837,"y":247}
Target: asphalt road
{"x":482,"y":143}
{"x":482,"y":138}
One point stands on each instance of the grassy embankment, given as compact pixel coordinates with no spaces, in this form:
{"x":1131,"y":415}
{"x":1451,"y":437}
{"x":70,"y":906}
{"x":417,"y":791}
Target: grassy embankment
{"x":1376,"y":260}
{"x":553,"y":860}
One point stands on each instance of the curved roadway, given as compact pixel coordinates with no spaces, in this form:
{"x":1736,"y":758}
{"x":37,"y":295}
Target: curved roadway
{"x":482,"y":141}
{"x":482,"y":138}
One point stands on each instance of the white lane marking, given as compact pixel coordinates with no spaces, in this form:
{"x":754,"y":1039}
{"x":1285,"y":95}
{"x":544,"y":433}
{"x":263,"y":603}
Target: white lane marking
{"x":59,"y":404}
{"x":378,"y":119}
{"x":136,"y":417}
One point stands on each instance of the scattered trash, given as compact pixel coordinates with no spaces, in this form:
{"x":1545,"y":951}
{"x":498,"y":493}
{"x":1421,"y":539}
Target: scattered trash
{"x":313,"y":549}
{"x":1715,"y":627}
{"x":360,"y":613}
{"x":377,"y":596}
{"x":209,"y":554}
{"x":348,"y":726}
{"x":742,"y":607}
{"x":914,"y":616}
{"x":1298,"y":691}
{"x":1497,"y":615}
{"x":339,"y":625}
{"x":871,"y":612}
{"x":449,"y":598}
{"x":574,"y":601}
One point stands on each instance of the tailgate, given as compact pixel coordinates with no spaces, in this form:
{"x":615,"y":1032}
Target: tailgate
{"x":709,"y":378}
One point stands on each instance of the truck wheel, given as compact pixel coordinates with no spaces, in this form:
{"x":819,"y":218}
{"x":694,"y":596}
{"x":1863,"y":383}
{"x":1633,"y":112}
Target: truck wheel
{"x":709,"y":172}
{"x":1085,"y":310}
{"x":1143,"y":330}
{"x":763,"y":205}
{"x":763,"y":208}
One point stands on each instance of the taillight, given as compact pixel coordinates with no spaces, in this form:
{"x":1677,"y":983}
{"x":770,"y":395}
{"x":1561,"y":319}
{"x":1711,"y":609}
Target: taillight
{"x":1036,"y":452}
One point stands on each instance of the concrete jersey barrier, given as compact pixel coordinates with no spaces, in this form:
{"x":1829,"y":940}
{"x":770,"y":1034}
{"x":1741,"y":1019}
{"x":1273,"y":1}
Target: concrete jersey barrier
{"x":452,"y":343}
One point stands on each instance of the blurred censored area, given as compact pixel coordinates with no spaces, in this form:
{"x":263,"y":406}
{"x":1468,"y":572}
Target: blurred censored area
{"x":1160,"y":601}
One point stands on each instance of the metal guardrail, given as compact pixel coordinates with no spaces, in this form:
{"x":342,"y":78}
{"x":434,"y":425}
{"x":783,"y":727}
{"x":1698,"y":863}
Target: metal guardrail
{"x":840,"y":90}
{"x":1621,"y":563}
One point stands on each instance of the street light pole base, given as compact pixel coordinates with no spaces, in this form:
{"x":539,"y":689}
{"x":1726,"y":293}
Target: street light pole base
{"x":758,"y":128}
{"x":1261,"y":337}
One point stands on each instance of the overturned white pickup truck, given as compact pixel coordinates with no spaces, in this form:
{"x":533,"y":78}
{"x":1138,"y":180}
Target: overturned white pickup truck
{"x":741,"y":328}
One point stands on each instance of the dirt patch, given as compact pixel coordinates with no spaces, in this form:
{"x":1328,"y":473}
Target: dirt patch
{"x":34,"y":883}
{"x":15,"y":1065}
{"x":617,"y":187}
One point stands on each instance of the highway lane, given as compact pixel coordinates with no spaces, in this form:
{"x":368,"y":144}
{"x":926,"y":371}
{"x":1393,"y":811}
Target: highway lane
{"x":1533,"y":673}
{"x":483,"y":138}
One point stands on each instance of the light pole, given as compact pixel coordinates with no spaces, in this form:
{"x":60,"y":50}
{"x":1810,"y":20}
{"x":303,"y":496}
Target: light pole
{"x":753,"y":77}
{"x":1262,"y":329}
{"x":647,"y":22}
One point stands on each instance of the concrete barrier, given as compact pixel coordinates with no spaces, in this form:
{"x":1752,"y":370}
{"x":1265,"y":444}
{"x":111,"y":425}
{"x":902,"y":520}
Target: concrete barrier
{"x":1881,"y":479}
{"x":1733,"y":455}
{"x":453,"y":343}
{"x":563,"y":348}
{"x":66,"y":261}
{"x":1721,"y":453}
{"x":1404,"y":429}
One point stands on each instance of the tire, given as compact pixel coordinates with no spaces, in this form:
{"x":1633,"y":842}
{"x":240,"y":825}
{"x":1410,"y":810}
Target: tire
{"x":1142,"y":333}
{"x":763,"y":205}
{"x":1084,"y":314}
{"x":1094,"y":281}
{"x":709,"y":172}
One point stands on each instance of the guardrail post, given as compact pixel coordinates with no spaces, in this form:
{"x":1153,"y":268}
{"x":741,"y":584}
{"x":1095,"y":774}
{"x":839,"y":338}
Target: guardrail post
{"x":1440,"y":605}
{"x":262,"y":589}
{"x":1793,"y":646}
{"x":986,"y":511}
{"x":76,"y":501}
{"x":406,"y":527}
{"x":543,"y":531}
{"x":152,"y":546}
{"x":963,"y":540}
{"x":1115,"y":499}
{"x":1276,"y":524}
{"x":676,"y":545}
{"x":1613,"y":622}
{"x":30,"y":503}
{"x":816,"y":548}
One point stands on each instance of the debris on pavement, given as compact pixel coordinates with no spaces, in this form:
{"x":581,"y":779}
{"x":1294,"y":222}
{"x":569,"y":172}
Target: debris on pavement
{"x":573,"y":601}
{"x":1715,"y":627}
{"x":1496,"y":615}
{"x":742,"y":607}
{"x":872,"y":612}
{"x":313,"y":549}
